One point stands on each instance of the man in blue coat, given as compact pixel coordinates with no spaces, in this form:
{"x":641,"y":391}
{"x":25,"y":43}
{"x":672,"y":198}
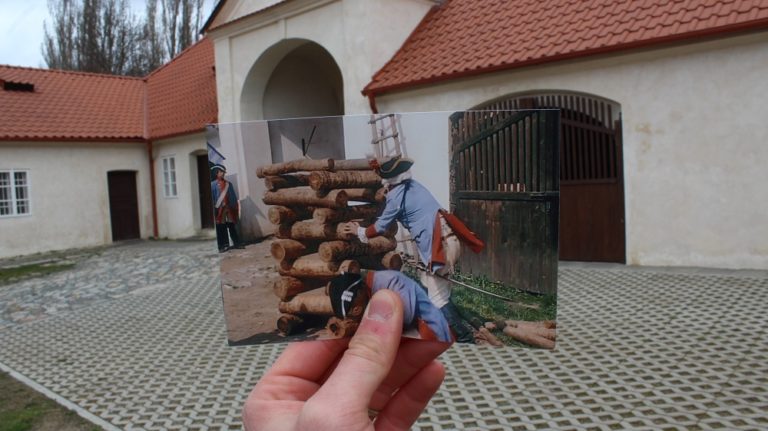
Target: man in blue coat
{"x":436,"y":232}
{"x":350,"y":293}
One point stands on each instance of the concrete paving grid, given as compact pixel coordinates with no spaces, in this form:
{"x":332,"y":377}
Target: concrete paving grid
{"x":134,"y":338}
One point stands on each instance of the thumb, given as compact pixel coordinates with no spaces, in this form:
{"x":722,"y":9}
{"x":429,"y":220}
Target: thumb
{"x":369,"y":356}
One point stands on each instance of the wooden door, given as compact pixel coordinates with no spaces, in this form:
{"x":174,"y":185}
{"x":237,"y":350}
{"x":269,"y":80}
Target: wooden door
{"x":504,"y":185}
{"x":204,"y":192}
{"x":123,"y":205}
{"x":591,"y":175}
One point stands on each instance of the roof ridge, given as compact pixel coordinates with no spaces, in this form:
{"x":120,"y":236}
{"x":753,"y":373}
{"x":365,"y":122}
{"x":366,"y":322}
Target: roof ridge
{"x":70,"y":72}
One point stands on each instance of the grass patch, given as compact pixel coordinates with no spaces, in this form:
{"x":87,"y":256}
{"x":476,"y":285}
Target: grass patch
{"x":10,"y":275}
{"x":23,"y":409}
{"x":478,"y":308}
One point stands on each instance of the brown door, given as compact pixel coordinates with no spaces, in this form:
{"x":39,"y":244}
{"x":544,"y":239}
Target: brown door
{"x":123,"y":205}
{"x":591,"y":186}
{"x":204,"y":192}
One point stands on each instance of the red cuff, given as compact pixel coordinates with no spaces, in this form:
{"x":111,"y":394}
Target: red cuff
{"x":370,"y":231}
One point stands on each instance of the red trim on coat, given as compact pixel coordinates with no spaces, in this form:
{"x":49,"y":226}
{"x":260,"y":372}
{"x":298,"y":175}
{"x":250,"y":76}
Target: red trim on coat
{"x":438,"y":251}
{"x":463,"y":233}
{"x":370,"y":231}
{"x":369,"y":282}
{"x":425,"y":332}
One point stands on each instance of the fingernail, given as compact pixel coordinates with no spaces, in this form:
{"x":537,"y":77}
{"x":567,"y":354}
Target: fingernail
{"x":380,"y":308}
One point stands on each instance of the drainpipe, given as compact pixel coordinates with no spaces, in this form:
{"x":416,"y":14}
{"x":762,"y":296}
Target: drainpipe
{"x":152,"y":187}
{"x":372,"y":103}
{"x":155,"y":232}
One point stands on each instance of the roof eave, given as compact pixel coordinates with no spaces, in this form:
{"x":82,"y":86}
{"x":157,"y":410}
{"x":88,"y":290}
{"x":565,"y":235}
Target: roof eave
{"x":732,"y":30}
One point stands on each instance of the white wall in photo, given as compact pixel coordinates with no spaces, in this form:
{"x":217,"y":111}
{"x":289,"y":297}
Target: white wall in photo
{"x":424,"y":137}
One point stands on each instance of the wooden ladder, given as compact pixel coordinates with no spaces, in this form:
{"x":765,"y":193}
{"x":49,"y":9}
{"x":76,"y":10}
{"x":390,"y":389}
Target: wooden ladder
{"x":381,"y":134}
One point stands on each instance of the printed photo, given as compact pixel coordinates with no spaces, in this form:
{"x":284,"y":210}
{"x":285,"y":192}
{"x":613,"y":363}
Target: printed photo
{"x":456,"y":212}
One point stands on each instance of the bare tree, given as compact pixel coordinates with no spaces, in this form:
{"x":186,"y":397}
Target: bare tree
{"x":181,"y":21}
{"x":103,"y":36}
{"x":152,"y":53}
{"x":90,"y":35}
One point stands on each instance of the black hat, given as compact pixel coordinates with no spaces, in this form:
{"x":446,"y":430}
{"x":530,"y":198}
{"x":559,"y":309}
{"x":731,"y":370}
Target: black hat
{"x":219,"y":167}
{"x":394,"y":167}
{"x":343,"y":291}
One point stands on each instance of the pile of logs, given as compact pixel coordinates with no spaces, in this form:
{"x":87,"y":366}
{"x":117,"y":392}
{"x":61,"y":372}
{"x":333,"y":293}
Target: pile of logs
{"x":310,"y":206}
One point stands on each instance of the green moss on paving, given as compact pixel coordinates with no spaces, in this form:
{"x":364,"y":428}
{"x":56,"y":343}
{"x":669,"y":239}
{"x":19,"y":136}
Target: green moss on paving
{"x":17,"y":273}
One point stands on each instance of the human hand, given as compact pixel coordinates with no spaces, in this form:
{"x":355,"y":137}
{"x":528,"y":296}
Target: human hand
{"x":332,"y":384}
{"x":350,"y":228}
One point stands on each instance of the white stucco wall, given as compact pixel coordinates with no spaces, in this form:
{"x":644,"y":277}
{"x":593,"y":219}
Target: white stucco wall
{"x":694,"y":136}
{"x":179,"y":216}
{"x":424,"y":137}
{"x":360,"y":35}
{"x":69,"y":194}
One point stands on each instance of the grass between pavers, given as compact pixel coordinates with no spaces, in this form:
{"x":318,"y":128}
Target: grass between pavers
{"x":18,"y":273}
{"x":23,"y":409}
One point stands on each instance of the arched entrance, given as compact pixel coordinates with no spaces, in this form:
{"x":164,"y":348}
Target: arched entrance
{"x":300,"y":80}
{"x":293,"y":78}
{"x":591,"y":174}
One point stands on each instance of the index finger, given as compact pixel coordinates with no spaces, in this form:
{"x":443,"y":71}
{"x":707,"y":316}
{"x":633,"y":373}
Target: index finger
{"x":307,"y":360}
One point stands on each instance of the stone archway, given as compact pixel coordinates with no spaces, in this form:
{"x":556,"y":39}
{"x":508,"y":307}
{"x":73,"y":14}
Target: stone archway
{"x":297,"y":79}
{"x":293,"y":78}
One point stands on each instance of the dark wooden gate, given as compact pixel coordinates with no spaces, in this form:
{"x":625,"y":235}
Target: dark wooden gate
{"x":504,"y":184}
{"x":123,"y":205}
{"x":204,"y":192}
{"x":591,"y":176}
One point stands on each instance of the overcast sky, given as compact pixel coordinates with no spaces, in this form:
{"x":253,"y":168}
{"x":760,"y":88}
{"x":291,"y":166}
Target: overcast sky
{"x":21,"y":29}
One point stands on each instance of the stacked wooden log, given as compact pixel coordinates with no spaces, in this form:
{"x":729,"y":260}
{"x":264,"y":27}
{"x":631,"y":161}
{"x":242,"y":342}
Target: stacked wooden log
{"x":311,"y":203}
{"x":537,"y":334}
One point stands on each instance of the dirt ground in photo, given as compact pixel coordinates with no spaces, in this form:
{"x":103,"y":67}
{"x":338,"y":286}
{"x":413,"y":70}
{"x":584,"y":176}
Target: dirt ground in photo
{"x":250,"y":306}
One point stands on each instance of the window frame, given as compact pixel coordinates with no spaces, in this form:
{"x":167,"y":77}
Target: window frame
{"x":170,"y":179}
{"x":14,"y":199}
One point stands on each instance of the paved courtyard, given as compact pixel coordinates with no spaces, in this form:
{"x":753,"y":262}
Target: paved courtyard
{"x":134,"y":338}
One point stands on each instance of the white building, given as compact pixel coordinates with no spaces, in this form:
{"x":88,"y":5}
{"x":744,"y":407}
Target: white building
{"x":86,"y":159}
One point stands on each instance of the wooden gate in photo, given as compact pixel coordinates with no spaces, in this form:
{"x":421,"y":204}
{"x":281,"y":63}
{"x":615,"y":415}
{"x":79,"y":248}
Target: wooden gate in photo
{"x":504,"y":185}
{"x":591,"y":175}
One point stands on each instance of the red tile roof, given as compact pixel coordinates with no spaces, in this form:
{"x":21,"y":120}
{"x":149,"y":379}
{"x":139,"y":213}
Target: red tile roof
{"x":70,"y":105}
{"x":85,"y":106}
{"x":468,"y":37}
{"x":182,"y":94}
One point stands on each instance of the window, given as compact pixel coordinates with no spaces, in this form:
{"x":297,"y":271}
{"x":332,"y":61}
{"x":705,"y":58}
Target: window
{"x":169,"y":176}
{"x":14,"y":193}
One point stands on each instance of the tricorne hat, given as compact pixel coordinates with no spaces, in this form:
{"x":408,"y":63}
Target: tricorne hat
{"x":394,"y":167}
{"x":343,"y":290}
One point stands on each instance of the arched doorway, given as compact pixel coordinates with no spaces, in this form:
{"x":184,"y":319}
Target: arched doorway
{"x":591,"y":172}
{"x":293,"y":78}
{"x":300,"y":80}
